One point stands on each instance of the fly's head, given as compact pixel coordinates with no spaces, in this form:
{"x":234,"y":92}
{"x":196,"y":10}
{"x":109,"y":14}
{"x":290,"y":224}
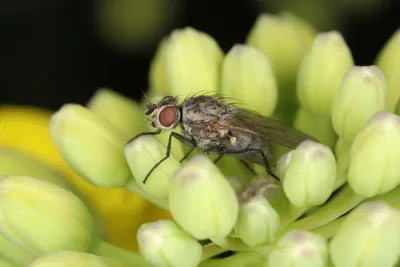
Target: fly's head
{"x":166,"y":113}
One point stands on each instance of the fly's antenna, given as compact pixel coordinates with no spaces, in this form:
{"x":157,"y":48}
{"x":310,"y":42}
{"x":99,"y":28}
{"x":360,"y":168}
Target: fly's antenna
{"x":145,"y":96}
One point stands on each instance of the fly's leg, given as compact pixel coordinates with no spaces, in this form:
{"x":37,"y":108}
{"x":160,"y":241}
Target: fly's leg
{"x":188,"y":153}
{"x":247,"y":166}
{"x":168,"y":151}
{"x":144,"y":134}
{"x":222,"y":152}
{"x":253,"y":152}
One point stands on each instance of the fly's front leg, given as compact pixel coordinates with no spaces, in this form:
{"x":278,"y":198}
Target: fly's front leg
{"x":144,"y":134}
{"x":168,"y":151}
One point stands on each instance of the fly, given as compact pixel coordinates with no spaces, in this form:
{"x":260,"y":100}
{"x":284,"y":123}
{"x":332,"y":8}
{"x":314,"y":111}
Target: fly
{"x":216,"y":127}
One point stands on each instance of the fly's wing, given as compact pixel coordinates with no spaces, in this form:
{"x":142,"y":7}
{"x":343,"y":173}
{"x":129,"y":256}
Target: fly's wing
{"x":268,"y":129}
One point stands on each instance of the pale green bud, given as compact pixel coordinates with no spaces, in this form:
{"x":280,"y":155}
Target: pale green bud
{"x":310,"y":175}
{"x":91,"y":145}
{"x":389,"y":61}
{"x":192,"y":62}
{"x":299,"y":249}
{"x":6,"y":263}
{"x":14,"y":253}
{"x":75,"y":259}
{"x":368,"y":237}
{"x":342,"y":149}
{"x":202,"y":201}
{"x":306,"y":122}
{"x":142,"y":154}
{"x":306,"y":30}
{"x":247,"y":75}
{"x":321,"y":72}
{"x":122,"y":112}
{"x":279,"y":39}
{"x":157,"y":75}
{"x":283,"y":164}
{"x":41,"y":217}
{"x":164,"y":243}
{"x":374,"y":155}
{"x":242,"y":259}
{"x":362,"y":93}
{"x":257,"y":223}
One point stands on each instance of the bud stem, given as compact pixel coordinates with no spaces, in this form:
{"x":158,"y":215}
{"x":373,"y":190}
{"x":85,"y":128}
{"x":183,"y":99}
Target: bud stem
{"x":341,"y":203}
{"x":103,"y":248}
{"x":241,"y":259}
{"x":211,"y":250}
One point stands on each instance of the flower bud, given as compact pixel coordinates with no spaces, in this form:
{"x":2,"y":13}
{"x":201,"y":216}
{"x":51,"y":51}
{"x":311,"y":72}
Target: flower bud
{"x":368,"y":237}
{"x":298,"y":249}
{"x":192,"y":62}
{"x":247,"y":75}
{"x":74,"y":258}
{"x":279,"y":39}
{"x":91,"y":145}
{"x":6,"y":263}
{"x":41,"y":217}
{"x":257,"y":223}
{"x":305,"y":29}
{"x":241,"y":259}
{"x":306,"y":121}
{"x":14,"y":253}
{"x":310,"y":175}
{"x":164,"y":243}
{"x":342,"y":149}
{"x":120,"y":111}
{"x":362,"y":93}
{"x":321,"y":72}
{"x":389,"y":62}
{"x":142,"y":154}
{"x":157,"y":75}
{"x":374,"y":155}
{"x":202,"y":201}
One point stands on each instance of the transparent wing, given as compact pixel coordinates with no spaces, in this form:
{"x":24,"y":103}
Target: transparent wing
{"x":268,"y":129}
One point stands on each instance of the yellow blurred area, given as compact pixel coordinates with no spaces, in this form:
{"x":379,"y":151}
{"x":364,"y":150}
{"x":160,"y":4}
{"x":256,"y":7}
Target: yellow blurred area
{"x":25,"y":129}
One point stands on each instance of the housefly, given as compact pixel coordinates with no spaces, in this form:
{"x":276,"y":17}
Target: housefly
{"x":214,"y":126}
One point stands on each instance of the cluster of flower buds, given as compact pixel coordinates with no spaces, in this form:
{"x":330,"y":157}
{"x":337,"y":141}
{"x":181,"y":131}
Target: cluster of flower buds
{"x":336,"y":204}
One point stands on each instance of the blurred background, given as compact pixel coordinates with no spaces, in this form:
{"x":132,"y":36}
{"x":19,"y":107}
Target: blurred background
{"x":58,"y":51}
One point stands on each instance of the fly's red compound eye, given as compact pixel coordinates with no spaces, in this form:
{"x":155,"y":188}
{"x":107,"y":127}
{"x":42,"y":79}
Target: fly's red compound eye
{"x":167,"y":116}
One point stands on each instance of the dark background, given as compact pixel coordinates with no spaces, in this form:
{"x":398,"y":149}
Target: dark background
{"x":52,"y":51}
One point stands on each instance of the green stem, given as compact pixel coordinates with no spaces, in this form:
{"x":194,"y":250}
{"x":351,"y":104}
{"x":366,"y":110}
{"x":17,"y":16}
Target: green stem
{"x":134,"y":187}
{"x":211,"y":250}
{"x":343,"y":202}
{"x":330,"y":229}
{"x":13,"y":253}
{"x":242,"y":259}
{"x":103,"y":248}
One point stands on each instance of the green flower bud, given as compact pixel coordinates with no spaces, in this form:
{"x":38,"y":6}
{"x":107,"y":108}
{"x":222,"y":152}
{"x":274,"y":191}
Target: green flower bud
{"x":192,"y":62}
{"x":281,"y":42}
{"x":321,"y":72}
{"x":6,"y":263}
{"x":157,"y":75}
{"x":257,"y":223}
{"x":76,"y":259}
{"x":120,"y":111}
{"x":389,"y":62}
{"x":247,"y":75}
{"x":164,"y":243}
{"x":363,"y":93}
{"x":305,"y":29}
{"x":142,"y":154}
{"x":342,"y":149}
{"x":202,"y":201}
{"x":310,"y":175}
{"x":91,"y":145}
{"x":368,"y":237}
{"x":41,"y":217}
{"x":242,"y":259}
{"x":298,"y":249}
{"x":14,"y":253}
{"x":305,"y":121}
{"x":374,"y":153}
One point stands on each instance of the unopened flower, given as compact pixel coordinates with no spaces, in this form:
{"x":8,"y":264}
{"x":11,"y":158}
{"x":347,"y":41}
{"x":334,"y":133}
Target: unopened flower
{"x":299,"y":249}
{"x":389,"y":61}
{"x":75,"y":258}
{"x":310,"y":175}
{"x":247,"y":75}
{"x":41,"y":217}
{"x":369,"y":237}
{"x":164,"y":243}
{"x":362,"y":93}
{"x":202,"y":201}
{"x":91,"y":145}
{"x":142,"y":155}
{"x":322,"y":71}
{"x":374,"y":156}
{"x":258,"y":222}
{"x":192,"y":60}
{"x":157,"y":73}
